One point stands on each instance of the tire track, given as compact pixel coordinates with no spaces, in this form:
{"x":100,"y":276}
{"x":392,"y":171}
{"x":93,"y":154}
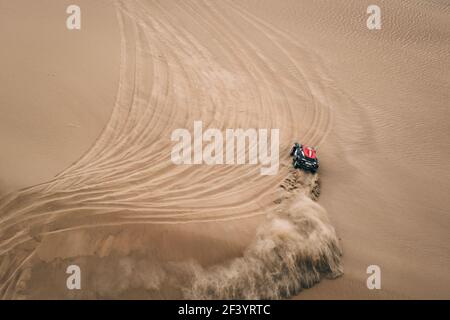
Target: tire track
{"x":168,"y":79}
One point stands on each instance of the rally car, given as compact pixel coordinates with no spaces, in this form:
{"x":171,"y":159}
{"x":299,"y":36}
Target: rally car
{"x":304,"y":157}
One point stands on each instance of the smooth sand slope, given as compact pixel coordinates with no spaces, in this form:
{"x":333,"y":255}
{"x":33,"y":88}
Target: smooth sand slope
{"x":57,"y":87}
{"x":141,"y":227}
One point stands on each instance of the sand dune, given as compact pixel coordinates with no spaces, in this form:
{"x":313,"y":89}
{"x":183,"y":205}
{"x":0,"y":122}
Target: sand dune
{"x":141,"y":227}
{"x":58,"y":88}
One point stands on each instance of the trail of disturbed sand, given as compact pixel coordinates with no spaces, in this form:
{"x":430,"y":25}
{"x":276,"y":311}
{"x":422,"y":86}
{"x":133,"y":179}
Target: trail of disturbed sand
{"x":168,"y":79}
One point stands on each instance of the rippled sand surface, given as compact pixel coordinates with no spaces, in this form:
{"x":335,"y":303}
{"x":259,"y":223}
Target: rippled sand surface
{"x":375,"y":103}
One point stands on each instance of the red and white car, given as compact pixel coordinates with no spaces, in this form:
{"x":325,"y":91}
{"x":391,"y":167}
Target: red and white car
{"x":304,"y":157}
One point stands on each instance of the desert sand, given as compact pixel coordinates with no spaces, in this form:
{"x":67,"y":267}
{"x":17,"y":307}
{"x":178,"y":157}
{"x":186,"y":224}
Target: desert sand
{"x":86,"y":176}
